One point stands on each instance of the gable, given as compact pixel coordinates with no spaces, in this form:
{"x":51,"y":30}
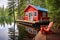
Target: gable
{"x":30,"y":8}
{"x":35,"y":8}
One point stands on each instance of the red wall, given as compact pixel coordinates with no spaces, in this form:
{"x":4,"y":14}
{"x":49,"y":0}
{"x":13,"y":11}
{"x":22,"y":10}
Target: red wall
{"x":26,"y":18}
{"x":30,"y":9}
{"x":40,"y":15}
{"x":35,"y":18}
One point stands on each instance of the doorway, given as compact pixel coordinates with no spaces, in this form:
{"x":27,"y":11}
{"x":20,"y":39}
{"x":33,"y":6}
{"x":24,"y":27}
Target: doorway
{"x":30,"y":17}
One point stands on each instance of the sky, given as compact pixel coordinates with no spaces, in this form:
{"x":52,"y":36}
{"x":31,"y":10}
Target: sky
{"x":3,"y":2}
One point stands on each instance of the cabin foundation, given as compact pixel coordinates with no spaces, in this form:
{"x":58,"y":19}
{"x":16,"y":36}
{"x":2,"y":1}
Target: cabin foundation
{"x":39,"y":36}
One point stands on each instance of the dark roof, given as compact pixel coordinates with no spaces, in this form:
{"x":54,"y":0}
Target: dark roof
{"x":40,"y":8}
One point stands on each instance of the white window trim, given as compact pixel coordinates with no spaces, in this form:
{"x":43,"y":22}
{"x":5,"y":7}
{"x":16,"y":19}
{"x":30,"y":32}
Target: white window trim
{"x":36,"y":13}
{"x":26,"y":13}
{"x":30,"y":12}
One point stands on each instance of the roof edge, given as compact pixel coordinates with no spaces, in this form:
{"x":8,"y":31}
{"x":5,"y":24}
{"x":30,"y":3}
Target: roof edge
{"x":28,"y":6}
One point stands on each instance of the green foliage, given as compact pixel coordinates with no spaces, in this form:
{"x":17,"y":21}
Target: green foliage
{"x":22,"y":7}
{"x":53,"y":7}
{"x":22,"y":32}
{"x":4,"y":17}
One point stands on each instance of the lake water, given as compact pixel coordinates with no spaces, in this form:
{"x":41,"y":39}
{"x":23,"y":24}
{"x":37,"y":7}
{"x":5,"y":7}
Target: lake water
{"x":4,"y":31}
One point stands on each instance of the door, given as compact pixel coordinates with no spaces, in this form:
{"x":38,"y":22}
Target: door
{"x":30,"y":17}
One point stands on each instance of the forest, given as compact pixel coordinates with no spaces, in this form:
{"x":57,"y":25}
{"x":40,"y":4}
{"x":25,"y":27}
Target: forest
{"x":53,"y":7}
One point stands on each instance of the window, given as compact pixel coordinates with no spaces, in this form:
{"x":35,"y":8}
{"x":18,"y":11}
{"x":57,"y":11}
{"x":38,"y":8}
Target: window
{"x":30,"y":30}
{"x":44,"y":14}
{"x":35,"y":14}
{"x":26,"y":14}
{"x":35,"y":32}
{"x":30,"y":14}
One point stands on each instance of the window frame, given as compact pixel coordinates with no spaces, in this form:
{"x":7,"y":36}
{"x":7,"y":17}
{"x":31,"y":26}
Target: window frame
{"x":34,"y":32}
{"x":30,"y":30}
{"x":26,"y":14}
{"x":34,"y":13}
{"x":31,"y":13}
{"x":44,"y":14}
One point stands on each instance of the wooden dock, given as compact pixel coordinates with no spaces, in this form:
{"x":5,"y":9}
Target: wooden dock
{"x":26,"y":21}
{"x":39,"y":35}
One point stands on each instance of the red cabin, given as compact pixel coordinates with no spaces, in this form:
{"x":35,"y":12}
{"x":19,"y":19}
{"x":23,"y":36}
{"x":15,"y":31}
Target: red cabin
{"x":35,"y":19}
{"x":35,"y":13}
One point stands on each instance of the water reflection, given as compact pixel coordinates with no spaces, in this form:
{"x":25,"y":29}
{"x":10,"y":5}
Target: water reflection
{"x":4,"y":31}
